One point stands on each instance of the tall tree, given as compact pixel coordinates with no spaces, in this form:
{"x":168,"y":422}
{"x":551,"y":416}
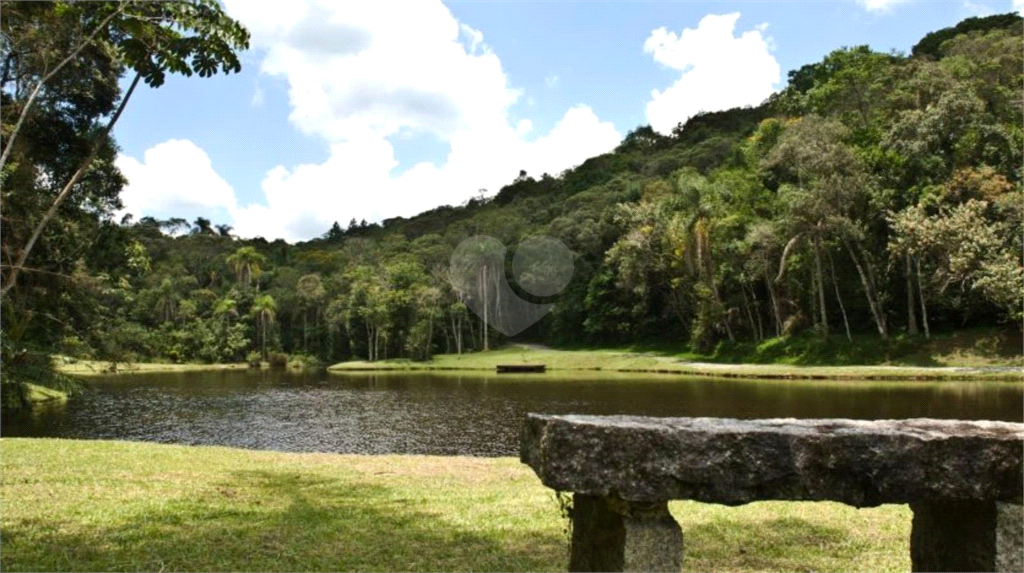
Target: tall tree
{"x":247,"y":263}
{"x":265,"y":309}
{"x":148,"y":38}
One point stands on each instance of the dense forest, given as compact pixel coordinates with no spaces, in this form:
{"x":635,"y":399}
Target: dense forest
{"x":877,"y":193}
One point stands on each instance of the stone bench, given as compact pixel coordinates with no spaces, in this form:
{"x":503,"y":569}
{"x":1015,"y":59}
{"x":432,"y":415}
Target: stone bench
{"x":963,"y":480}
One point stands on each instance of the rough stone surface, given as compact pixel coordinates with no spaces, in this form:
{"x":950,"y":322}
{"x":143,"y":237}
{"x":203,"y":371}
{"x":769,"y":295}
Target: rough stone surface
{"x":861,"y":463}
{"x":613,"y":535}
{"x":1009,"y":537}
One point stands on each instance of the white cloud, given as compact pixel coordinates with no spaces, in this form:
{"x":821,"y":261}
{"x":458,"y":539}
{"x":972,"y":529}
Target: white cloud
{"x":879,"y":5}
{"x":551,"y":81}
{"x":719,"y":70}
{"x":174,"y":177}
{"x":358,"y":76}
{"x":257,"y":97}
{"x":977,"y":9}
{"x":1018,"y":6}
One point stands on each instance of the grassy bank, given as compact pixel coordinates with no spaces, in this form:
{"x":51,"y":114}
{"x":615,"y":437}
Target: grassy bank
{"x":78,"y":367}
{"x":95,"y":505}
{"x":662,"y":362}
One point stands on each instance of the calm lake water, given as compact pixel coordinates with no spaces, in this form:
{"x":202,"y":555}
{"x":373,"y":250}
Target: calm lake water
{"x":459,"y":414}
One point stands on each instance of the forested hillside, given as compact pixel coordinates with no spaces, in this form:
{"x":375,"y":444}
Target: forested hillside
{"x":876,"y":193}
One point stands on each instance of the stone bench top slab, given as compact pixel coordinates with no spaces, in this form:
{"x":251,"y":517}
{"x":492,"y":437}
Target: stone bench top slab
{"x":859,"y":462}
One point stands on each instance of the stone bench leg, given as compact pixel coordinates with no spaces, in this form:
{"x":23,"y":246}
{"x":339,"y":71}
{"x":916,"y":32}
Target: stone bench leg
{"x":967,"y":536}
{"x":610,"y":534}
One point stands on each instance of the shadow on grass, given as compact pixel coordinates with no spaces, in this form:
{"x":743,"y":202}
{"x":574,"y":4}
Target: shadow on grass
{"x":280,"y":521}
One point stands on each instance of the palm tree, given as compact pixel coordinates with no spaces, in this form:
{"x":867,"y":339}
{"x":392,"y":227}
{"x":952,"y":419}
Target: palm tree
{"x":226,"y":309}
{"x":311,"y":291}
{"x":246,"y":263}
{"x":167,"y":300}
{"x":265,"y":308}
{"x":694,"y":228}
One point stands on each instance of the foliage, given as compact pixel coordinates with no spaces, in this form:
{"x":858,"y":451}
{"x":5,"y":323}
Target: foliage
{"x":876,"y":195}
{"x":277,"y":360}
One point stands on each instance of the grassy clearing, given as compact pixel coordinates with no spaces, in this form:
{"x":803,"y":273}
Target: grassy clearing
{"x":658,"y":362}
{"x":95,"y":505}
{"x":78,"y":367}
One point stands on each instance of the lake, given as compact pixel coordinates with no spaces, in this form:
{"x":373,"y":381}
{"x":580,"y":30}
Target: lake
{"x":460,"y":414}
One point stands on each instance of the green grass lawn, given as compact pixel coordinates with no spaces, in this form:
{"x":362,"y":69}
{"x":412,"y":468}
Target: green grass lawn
{"x":662,"y":362}
{"x":97,"y":505}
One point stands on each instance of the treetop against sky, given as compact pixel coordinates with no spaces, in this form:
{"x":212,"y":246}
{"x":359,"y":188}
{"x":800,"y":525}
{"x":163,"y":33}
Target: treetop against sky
{"x":373,"y":110}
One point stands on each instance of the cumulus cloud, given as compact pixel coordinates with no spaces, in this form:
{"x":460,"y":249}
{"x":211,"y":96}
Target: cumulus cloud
{"x":174,"y":178}
{"x":879,"y":5}
{"x":977,"y":9}
{"x":358,"y":179}
{"x":719,"y":70}
{"x":357,"y":77}
{"x":1018,"y":6}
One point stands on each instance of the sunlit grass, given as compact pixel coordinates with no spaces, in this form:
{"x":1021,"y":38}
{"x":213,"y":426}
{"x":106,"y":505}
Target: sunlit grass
{"x":95,"y":505}
{"x":628,"y":361}
{"x":78,"y":367}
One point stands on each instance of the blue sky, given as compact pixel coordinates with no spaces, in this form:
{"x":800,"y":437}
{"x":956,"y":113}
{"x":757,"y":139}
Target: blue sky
{"x":350,"y":110}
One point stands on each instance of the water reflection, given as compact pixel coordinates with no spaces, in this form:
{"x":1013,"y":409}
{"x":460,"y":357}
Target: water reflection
{"x":460,"y":414}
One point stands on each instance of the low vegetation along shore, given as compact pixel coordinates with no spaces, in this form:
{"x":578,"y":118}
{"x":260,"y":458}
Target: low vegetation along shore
{"x":99,"y":505}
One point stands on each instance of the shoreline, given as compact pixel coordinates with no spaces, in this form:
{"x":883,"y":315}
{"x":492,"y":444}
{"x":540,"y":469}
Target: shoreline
{"x":89,"y":368}
{"x":646,"y":363}
{"x":596,"y":361}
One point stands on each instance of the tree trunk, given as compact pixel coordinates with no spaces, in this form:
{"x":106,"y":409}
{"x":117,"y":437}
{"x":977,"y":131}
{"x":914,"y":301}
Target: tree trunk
{"x":369,"y":343}
{"x":484,"y":325}
{"x":52,"y":211}
{"x":750,"y":315}
{"x":819,"y":276}
{"x":839,"y":298}
{"x":920,"y":292}
{"x":876,"y":311}
{"x":757,"y":313}
{"x":264,"y":322}
{"x":458,"y":336}
{"x":911,"y":318}
{"x":776,"y":312}
{"x":725,"y":317}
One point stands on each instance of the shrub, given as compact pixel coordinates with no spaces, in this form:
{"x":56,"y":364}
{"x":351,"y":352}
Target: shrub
{"x":75,"y":347}
{"x":303,"y":362}
{"x":254,"y":359}
{"x":277,"y":359}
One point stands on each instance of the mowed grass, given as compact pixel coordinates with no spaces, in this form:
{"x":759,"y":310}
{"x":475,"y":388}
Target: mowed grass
{"x":99,"y":505}
{"x":626,"y":361}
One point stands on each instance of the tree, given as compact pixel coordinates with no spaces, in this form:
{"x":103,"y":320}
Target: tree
{"x":825,"y":200}
{"x":167,"y":300}
{"x":311,"y":291}
{"x":148,"y":38}
{"x":225,"y":310}
{"x":265,"y":310}
{"x":202,"y":226}
{"x":247,"y":263}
